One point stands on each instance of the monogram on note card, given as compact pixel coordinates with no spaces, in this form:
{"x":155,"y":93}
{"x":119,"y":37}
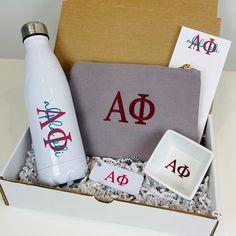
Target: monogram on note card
{"x":124,"y":109}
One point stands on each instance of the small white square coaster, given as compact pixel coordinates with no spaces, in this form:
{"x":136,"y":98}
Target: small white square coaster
{"x":179,"y":164}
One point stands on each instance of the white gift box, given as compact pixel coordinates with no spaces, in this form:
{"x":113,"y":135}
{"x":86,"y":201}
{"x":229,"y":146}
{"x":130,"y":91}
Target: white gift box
{"x":53,"y":200}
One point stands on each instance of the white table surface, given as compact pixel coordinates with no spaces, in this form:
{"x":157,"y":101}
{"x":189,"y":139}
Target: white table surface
{"x":17,"y":221}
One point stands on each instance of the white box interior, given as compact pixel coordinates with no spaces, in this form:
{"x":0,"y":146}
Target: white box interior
{"x":74,"y":204}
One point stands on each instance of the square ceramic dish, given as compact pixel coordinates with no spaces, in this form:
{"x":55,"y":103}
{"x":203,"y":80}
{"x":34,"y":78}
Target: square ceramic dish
{"x":179,"y":164}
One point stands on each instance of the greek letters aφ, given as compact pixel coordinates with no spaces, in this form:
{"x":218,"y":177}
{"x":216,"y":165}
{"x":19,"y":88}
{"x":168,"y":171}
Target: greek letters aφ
{"x":182,"y":171}
{"x":139,"y":104}
{"x":56,"y":139}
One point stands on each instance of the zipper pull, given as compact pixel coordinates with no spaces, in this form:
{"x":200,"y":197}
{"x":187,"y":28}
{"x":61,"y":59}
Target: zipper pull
{"x":186,"y":66}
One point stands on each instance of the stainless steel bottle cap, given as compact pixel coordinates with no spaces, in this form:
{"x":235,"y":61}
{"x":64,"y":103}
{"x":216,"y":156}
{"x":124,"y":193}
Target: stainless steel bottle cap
{"x":33,"y":28}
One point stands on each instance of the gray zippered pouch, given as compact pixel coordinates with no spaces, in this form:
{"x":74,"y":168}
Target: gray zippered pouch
{"x":125,"y":109}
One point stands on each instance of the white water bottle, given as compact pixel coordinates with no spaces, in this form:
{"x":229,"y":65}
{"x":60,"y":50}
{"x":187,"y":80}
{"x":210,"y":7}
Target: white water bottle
{"x":59,"y":151}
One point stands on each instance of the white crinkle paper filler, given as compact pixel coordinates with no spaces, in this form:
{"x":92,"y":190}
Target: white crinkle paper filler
{"x":151,"y":192}
{"x":28,"y":173}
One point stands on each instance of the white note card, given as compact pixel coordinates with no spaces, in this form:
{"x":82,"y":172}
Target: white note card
{"x":206,"y":53}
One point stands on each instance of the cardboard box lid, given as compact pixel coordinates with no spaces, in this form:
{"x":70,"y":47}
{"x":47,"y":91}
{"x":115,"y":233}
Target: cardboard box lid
{"x":200,"y":7}
{"x":99,"y":31}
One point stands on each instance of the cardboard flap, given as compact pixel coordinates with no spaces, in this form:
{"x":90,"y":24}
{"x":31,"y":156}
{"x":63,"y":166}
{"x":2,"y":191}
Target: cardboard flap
{"x":200,"y":7}
{"x":98,"y":31}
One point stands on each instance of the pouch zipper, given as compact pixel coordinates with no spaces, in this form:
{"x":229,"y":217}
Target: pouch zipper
{"x":186,"y":66}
